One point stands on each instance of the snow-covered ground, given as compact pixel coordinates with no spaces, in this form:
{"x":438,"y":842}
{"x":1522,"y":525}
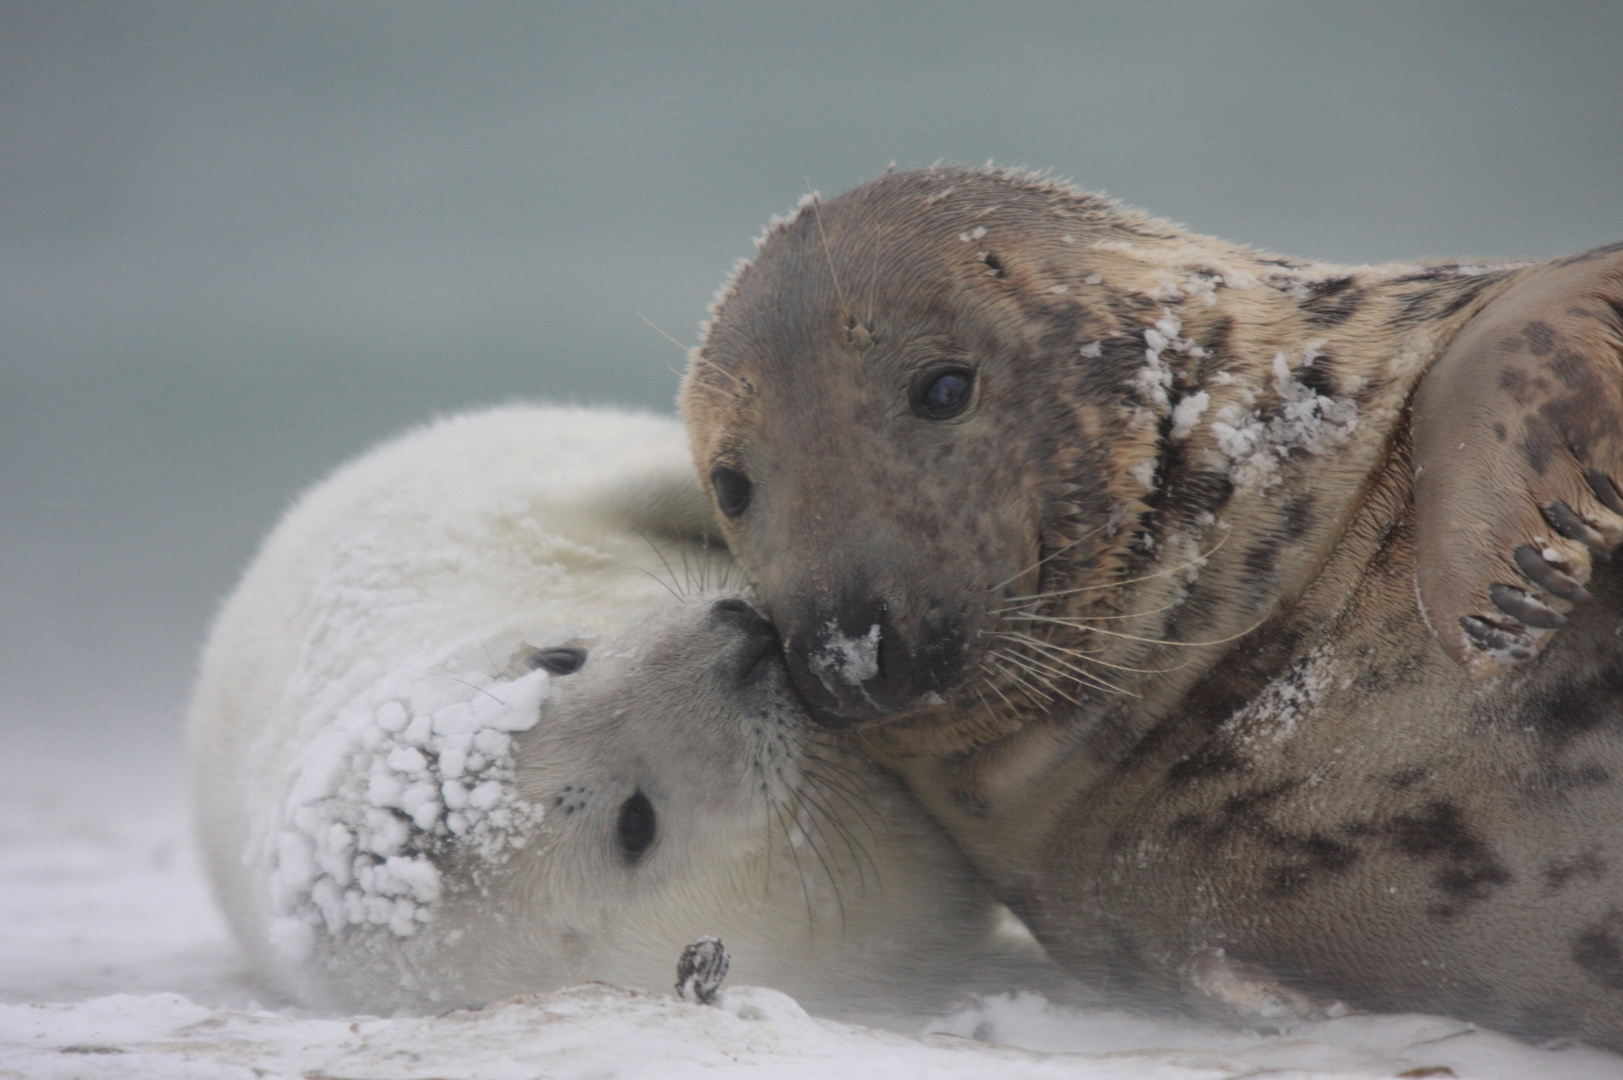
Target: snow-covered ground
{"x":114,"y":964}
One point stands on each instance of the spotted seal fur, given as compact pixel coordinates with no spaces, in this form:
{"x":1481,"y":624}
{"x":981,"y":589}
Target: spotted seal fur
{"x":1108,"y":537}
{"x":456,"y":740}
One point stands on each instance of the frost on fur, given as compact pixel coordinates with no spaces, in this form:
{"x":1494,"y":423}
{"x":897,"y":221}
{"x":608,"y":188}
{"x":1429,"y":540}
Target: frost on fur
{"x":419,"y":763}
{"x":1305,"y":421}
{"x":404,"y":766}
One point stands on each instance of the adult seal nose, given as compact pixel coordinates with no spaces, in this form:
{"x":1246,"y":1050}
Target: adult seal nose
{"x":855,"y":665}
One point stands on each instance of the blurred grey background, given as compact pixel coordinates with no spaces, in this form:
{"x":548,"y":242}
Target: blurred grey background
{"x":241,"y":241}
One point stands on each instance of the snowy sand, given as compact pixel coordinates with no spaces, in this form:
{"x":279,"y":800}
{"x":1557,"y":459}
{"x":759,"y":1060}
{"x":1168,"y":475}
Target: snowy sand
{"x":114,"y":964}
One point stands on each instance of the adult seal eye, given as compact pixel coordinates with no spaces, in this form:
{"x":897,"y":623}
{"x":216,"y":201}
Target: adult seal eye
{"x":943,"y":394}
{"x":733,"y":490}
{"x":564,"y":660}
{"x":636,"y":828}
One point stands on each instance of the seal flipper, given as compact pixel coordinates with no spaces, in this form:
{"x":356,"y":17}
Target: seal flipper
{"x":1518,"y":442}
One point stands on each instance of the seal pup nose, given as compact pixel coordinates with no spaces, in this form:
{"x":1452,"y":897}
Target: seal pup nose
{"x":757,"y":644}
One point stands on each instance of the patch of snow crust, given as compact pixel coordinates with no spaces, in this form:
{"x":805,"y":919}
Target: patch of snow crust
{"x":1305,"y":421}
{"x":851,"y":660}
{"x":598,"y":1031}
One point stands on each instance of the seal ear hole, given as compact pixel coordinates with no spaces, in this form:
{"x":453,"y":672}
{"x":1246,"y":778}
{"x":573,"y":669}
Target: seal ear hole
{"x":993,"y":263}
{"x":636,"y":828}
{"x":733,"y":490}
{"x":563,"y":660}
{"x":941,"y":393}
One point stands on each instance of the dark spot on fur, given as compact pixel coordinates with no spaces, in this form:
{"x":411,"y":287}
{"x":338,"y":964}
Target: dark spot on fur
{"x":1540,"y":443}
{"x":1119,"y":360}
{"x":1255,"y":661}
{"x":1255,"y":815}
{"x":1573,"y":371}
{"x":1212,"y":759}
{"x":1372,"y":679}
{"x":1583,"y":417}
{"x":1559,"y":873}
{"x":1322,"y":855}
{"x":1554,"y":782}
{"x":1540,"y":337}
{"x":1438,"y":833}
{"x":1320,"y":376}
{"x":1260,"y":557}
{"x":1332,"y":302}
{"x":1215,"y":340}
{"x":993,"y":263}
{"x":1446,"y":292}
{"x":1513,"y":381}
{"x":1591,"y":255}
{"x":1596,"y":951}
{"x":1408,"y":778}
{"x":1571,"y":709}
{"x":1201,"y":491}
{"x":1299,"y":516}
{"x":1499,"y":431}
{"x":1615,"y":303}
{"x":970,"y":800}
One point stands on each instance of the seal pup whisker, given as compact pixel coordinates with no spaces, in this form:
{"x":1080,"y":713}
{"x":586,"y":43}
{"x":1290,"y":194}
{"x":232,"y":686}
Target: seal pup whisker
{"x":800,"y":869}
{"x":861,"y":858}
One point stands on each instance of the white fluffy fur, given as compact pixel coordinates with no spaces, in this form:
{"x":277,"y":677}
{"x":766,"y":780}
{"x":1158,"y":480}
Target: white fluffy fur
{"x":398,"y":812}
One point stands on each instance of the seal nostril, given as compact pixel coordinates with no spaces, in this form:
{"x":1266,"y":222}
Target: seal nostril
{"x":732,"y":603}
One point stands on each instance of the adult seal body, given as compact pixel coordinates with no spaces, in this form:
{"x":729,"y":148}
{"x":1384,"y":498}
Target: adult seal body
{"x":455,"y":739}
{"x":1213,"y":600}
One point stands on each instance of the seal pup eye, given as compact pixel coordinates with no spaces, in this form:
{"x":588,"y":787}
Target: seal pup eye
{"x":943,"y":393}
{"x":636,"y":828}
{"x":564,"y":660}
{"x":733,"y":490}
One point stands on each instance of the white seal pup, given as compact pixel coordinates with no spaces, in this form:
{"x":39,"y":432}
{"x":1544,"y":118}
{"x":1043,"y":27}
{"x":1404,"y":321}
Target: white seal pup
{"x":453,"y":742}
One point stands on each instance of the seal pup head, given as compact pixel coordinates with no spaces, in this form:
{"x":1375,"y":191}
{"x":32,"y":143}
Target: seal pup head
{"x":663,"y":765}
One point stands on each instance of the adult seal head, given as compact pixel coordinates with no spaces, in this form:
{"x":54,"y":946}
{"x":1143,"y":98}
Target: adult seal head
{"x":1214,"y":600}
{"x":948,"y":391}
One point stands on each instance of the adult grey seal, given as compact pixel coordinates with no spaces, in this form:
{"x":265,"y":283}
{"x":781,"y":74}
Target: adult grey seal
{"x":453,"y":742}
{"x":1108,"y":536}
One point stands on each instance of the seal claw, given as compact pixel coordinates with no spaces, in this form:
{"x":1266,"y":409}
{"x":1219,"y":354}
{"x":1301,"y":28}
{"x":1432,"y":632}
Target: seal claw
{"x":1519,"y":605}
{"x":1540,"y":572}
{"x":1567,"y":522}
{"x":1504,"y":644}
{"x":1605,"y":489}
